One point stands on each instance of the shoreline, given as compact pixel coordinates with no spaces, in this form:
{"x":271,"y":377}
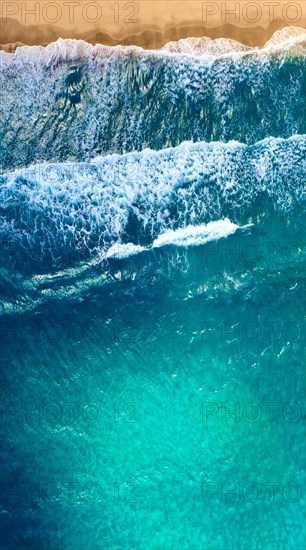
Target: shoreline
{"x":154,"y":39}
{"x":214,"y":44}
{"x":149,"y":24}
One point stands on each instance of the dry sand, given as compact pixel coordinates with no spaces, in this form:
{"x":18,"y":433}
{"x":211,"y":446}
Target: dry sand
{"x":146,"y":23}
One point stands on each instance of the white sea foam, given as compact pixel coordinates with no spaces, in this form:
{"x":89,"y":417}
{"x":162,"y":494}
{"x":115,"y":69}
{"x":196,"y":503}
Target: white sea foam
{"x":287,"y":36}
{"x":73,"y":50}
{"x":117,"y":99}
{"x":205,"y":46}
{"x":284,"y":39}
{"x":157,"y":197}
{"x":182,"y":237}
{"x":197,"y":235}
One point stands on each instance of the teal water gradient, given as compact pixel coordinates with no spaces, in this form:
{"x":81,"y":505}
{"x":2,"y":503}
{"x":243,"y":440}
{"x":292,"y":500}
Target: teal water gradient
{"x":113,"y":425}
{"x":157,"y":401}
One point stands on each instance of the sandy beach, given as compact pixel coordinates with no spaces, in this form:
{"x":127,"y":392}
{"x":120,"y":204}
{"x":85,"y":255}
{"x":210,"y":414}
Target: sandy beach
{"x":145,"y":23}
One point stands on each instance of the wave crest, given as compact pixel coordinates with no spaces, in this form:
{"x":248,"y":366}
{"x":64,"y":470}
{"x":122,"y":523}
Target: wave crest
{"x":72,"y":101}
{"x":73,"y":50}
{"x":56,"y":214}
{"x":284,"y":40}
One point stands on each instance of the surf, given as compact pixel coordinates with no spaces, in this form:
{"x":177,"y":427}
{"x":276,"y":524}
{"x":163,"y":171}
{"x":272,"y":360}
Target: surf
{"x":56,"y":214}
{"x":72,"y":101}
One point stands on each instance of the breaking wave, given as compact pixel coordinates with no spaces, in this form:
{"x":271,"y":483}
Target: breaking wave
{"x":57,"y":214}
{"x":73,"y":101}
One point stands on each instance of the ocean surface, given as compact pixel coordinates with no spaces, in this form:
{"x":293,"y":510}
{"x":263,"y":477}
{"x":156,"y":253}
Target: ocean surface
{"x":152,"y":285}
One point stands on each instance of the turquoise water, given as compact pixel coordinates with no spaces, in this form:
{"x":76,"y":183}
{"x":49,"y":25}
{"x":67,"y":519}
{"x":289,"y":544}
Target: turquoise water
{"x":154,"y":398}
